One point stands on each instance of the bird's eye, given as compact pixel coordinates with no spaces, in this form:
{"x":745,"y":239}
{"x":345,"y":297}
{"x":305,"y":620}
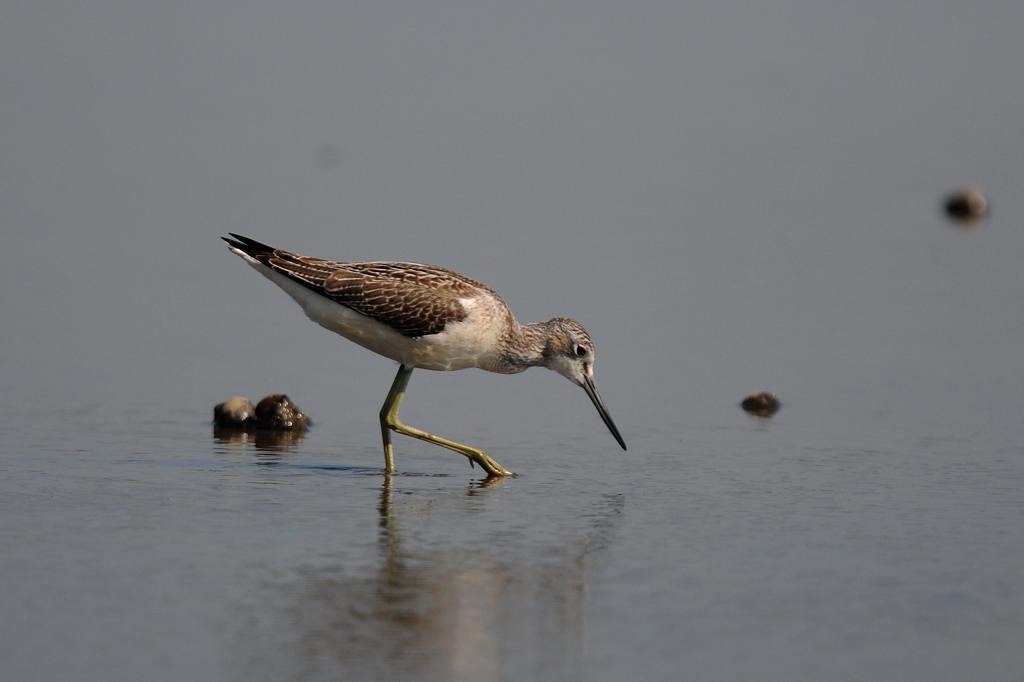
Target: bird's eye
{"x":580,"y":351}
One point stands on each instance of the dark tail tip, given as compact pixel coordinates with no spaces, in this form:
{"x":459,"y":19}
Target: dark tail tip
{"x":248,"y":246}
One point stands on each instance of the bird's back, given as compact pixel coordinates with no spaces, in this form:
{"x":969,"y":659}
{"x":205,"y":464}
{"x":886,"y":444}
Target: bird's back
{"x":402,"y":310}
{"x":414,"y":299}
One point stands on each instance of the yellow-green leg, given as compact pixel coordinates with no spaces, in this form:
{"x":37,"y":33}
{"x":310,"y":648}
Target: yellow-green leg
{"x":389,"y":422}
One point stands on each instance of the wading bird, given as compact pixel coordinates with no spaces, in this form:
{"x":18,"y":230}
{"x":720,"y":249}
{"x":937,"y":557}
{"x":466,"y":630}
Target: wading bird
{"x":426,"y":317}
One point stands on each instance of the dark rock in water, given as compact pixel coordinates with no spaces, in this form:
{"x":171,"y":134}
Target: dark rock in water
{"x":762,"y":404}
{"x":279,"y":412}
{"x":274,"y":413}
{"x":966,"y":206}
{"x":236,"y":412}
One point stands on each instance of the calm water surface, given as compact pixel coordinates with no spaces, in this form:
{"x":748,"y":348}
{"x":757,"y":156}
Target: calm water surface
{"x":143,"y":546}
{"x":731,"y":196}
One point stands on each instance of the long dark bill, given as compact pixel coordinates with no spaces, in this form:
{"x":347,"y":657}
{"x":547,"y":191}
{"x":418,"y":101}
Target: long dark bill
{"x":595,"y":397}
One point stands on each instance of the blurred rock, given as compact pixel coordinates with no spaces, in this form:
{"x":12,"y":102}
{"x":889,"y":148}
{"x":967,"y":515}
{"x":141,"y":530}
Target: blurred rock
{"x":236,"y":412}
{"x":762,"y":404}
{"x":277,"y":411}
{"x":967,"y":206}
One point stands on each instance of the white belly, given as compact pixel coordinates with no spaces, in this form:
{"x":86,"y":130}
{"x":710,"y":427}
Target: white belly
{"x":459,"y":346}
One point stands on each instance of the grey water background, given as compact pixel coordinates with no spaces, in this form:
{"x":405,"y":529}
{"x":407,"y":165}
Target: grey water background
{"x":731,"y":196}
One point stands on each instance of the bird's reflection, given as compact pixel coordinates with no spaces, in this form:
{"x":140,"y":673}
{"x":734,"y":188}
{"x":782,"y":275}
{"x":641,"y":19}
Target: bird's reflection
{"x":456,"y":612}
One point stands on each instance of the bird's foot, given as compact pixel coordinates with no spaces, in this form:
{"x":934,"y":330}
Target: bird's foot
{"x":487,"y":464}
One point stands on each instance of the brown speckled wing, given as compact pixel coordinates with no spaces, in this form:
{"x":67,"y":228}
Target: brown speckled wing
{"x":413,"y":299}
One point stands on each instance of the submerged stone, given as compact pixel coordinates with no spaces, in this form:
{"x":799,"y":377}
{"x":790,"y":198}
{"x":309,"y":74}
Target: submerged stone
{"x":278,"y":412}
{"x":967,"y":206}
{"x":763,"y":404}
{"x":236,"y":412}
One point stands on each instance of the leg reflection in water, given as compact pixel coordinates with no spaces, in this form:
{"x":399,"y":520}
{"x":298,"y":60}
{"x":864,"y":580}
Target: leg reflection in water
{"x":439,"y":605}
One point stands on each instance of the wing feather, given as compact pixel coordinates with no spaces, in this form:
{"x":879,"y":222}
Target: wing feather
{"x":412,"y":298}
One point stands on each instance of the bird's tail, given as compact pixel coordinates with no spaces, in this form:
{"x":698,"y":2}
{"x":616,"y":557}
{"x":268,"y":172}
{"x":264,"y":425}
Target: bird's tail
{"x":249,"y":247}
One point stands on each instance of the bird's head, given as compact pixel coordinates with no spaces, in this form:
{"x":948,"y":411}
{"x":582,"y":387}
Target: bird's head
{"x":570,"y":351}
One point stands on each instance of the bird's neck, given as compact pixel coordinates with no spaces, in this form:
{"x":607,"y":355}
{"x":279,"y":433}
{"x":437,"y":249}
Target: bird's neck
{"x":525,"y":346}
